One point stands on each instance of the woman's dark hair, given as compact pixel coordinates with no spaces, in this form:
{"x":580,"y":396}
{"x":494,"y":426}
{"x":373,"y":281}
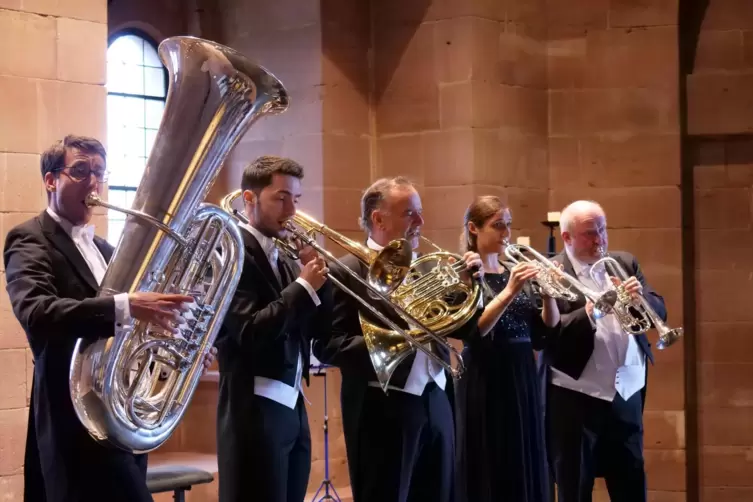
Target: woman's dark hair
{"x":479,"y":212}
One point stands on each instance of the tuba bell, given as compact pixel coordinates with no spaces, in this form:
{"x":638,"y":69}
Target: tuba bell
{"x":393,"y":278}
{"x":130,"y":391}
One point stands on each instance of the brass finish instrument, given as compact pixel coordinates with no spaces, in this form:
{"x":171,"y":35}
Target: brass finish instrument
{"x":131,"y":390}
{"x":644,"y":316}
{"x":393,"y":278}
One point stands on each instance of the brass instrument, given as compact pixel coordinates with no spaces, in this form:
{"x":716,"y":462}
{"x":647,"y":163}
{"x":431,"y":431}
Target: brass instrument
{"x":394,"y":278}
{"x":173,"y":243}
{"x":645,"y":316}
{"x":557,"y":283}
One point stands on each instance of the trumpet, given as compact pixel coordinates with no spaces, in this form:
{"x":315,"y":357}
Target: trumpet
{"x":558,"y":284}
{"x":645,"y":316}
{"x":392,"y":278}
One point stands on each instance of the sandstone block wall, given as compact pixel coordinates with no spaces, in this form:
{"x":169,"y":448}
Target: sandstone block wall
{"x":52,"y":75}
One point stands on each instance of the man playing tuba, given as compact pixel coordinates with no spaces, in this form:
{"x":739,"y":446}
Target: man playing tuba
{"x":54,"y":264}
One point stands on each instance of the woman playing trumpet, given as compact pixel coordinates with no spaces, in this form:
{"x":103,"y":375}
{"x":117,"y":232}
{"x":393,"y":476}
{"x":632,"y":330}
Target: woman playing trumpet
{"x":500,"y":448}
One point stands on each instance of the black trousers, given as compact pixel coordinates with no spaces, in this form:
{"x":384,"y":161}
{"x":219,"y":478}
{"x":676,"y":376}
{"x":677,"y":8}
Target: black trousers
{"x":406,"y":447}
{"x":590,"y":437}
{"x":280,"y":451}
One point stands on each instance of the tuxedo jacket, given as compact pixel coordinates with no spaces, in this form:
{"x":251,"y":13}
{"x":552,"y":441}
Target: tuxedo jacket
{"x":53,"y":295}
{"x":344,"y":347}
{"x":263,"y":331}
{"x":571,"y":351}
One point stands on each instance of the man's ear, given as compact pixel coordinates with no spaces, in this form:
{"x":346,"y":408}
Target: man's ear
{"x":376,"y":219}
{"x":249,"y":197}
{"x":566,"y":237}
{"x":49,"y":182}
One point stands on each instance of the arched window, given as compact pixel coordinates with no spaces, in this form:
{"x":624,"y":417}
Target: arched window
{"x":136,"y":94}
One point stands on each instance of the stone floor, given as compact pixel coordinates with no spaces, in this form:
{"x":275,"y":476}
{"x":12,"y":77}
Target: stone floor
{"x":208,"y":492}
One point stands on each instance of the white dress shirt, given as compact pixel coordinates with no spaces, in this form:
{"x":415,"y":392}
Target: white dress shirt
{"x":424,"y":369}
{"x":617,"y":364}
{"x":275,"y":390}
{"x":83,"y":238}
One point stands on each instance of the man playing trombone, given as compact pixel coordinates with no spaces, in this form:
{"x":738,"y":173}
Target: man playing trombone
{"x":399,"y":439}
{"x":264,"y":442}
{"x":596,"y":385}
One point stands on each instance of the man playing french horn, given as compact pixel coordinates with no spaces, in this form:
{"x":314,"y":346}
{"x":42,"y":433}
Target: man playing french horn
{"x":595,"y":380}
{"x":398,"y":426}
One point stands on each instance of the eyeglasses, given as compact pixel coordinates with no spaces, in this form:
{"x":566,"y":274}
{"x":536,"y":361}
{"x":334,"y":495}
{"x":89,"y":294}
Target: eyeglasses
{"x":82,"y":171}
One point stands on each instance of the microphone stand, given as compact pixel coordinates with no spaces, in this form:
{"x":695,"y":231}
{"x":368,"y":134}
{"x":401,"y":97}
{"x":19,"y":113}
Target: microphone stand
{"x":326,"y":483}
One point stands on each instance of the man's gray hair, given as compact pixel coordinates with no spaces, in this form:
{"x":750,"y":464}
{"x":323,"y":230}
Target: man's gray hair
{"x":374,"y":195}
{"x":574,"y":209}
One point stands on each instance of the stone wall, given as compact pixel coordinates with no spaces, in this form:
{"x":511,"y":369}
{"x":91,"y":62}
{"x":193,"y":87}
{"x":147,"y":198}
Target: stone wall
{"x":614,"y":137}
{"x":52,"y":74}
{"x":540,"y":101}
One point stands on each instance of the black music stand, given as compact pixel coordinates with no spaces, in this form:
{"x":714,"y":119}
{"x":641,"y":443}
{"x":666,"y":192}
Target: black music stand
{"x":326,"y":483}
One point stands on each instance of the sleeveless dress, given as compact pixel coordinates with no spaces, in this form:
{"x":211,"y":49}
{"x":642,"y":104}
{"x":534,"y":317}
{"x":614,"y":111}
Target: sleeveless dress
{"x":501,"y":453}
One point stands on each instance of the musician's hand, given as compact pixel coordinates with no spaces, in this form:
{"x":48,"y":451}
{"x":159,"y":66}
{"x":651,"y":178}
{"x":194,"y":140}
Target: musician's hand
{"x":209,"y":358}
{"x":519,"y":274}
{"x":161,"y":309}
{"x":632,"y":286}
{"x":590,"y":309}
{"x":315,"y":272}
{"x":473,"y":262}
{"x":306,"y":254}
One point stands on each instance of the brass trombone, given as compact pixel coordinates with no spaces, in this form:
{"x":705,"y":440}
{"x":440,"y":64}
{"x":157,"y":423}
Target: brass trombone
{"x":645,"y":317}
{"x":392,"y":278}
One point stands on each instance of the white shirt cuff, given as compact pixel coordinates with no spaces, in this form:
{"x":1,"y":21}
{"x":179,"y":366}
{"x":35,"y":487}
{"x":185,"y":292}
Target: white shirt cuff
{"x":122,"y":310}
{"x":312,"y":292}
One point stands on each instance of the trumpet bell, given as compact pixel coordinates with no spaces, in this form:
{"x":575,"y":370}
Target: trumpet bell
{"x":605,"y":304}
{"x":668,"y":337}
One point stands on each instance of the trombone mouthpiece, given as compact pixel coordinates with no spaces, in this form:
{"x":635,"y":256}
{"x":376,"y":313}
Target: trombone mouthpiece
{"x":92,"y":199}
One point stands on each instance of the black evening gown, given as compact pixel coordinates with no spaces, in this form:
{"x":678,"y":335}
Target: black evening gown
{"x":501,"y":454}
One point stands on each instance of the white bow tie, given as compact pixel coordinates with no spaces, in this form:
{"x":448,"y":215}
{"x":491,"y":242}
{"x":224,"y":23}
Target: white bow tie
{"x":85,"y":232}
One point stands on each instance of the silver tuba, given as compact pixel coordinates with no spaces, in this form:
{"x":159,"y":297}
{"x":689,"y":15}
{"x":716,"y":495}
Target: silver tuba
{"x":131,"y":390}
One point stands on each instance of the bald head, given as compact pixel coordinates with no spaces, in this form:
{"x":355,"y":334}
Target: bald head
{"x":583,"y":225}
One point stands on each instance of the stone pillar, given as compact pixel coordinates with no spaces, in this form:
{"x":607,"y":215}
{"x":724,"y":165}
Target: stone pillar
{"x":720,"y":126}
{"x":614,"y":137}
{"x":52,"y":75}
